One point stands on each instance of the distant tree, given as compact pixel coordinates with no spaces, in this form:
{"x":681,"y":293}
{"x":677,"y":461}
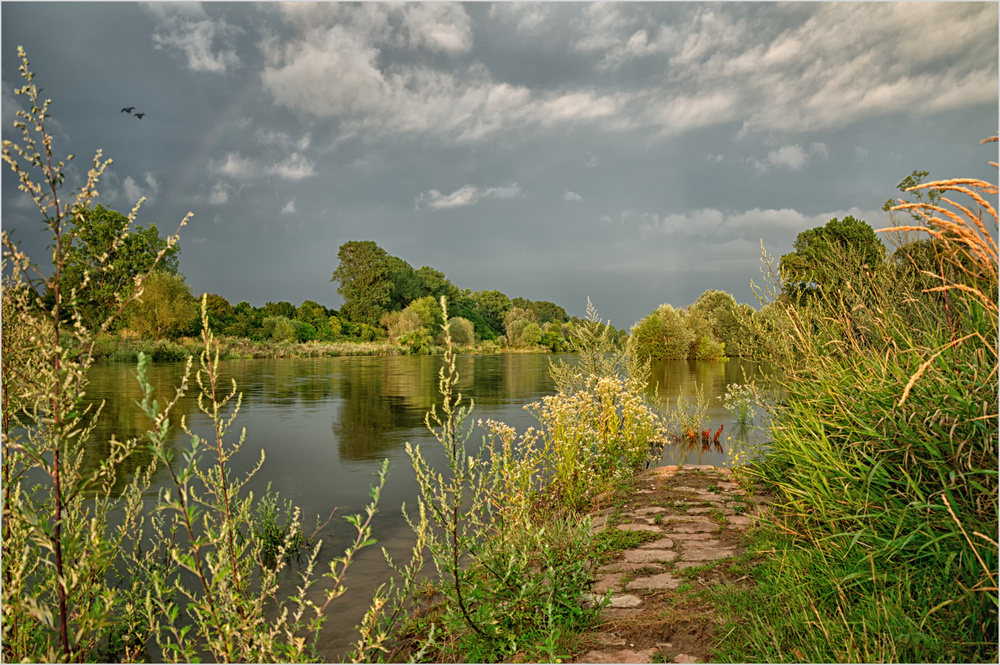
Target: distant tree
{"x":282,"y":308}
{"x":660,"y":335}
{"x":97,"y":230}
{"x":532,"y":334}
{"x":827,"y":255}
{"x":514,"y":323}
{"x":428,"y":311}
{"x":492,"y":305}
{"x":461,"y":330}
{"x":399,"y":324}
{"x":221,"y":314}
{"x":165,"y":308}
{"x":312,"y":313}
{"x":365,"y":281}
{"x":407,"y":285}
{"x":435,"y":284}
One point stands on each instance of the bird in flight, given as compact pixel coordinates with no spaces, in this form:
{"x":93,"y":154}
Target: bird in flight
{"x":139,"y":115}
{"x":128,"y":109}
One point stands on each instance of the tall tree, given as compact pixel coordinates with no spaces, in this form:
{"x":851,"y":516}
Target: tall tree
{"x":365,"y":281}
{"x":99,"y":232}
{"x":165,"y":308}
{"x":825,"y":256}
{"x":493,"y":305}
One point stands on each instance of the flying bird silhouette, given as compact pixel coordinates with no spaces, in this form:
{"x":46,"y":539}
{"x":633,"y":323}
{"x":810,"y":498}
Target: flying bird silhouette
{"x":139,"y":115}
{"x":128,"y":109}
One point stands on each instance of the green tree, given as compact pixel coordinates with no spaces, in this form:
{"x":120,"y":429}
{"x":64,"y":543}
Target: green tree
{"x":492,"y":305}
{"x":221,"y":314}
{"x":826,"y":256}
{"x":660,"y":335}
{"x":407,"y":284}
{"x":109,"y":255}
{"x":462,"y":332}
{"x":165,"y":308}
{"x":365,"y":281}
{"x":280,"y":308}
{"x":428,"y":311}
{"x":532,"y":334}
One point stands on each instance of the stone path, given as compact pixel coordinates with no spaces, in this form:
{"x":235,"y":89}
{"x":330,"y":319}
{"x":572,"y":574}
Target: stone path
{"x":701,"y":515}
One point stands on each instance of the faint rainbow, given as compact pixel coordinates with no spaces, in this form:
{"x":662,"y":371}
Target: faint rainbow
{"x":195,"y":161}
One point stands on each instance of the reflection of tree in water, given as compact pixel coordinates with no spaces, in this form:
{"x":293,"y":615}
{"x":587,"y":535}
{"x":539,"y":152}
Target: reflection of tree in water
{"x":116,"y":385}
{"x":383,"y":396}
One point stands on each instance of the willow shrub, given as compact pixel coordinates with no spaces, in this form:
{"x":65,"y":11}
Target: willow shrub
{"x":184,"y":569}
{"x":885,"y":448}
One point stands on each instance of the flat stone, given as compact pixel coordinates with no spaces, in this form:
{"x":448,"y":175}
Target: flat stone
{"x":711,"y":497}
{"x":740,"y":520}
{"x":700,"y":511}
{"x":685,"y":488}
{"x":650,"y":510}
{"x":622,"y":567}
{"x":661,"y":581}
{"x":694,"y":527}
{"x":698,"y":536}
{"x":726,"y":485}
{"x":625,"y":600}
{"x":621,"y":613}
{"x":649,"y":556}
{"x":638,"y":527}
{"x":619,"y":656}
{"x":681,"y":565}
{"x":599,"y":522}
{"x":661,"y":544}
{"x":612,"y":581}
{"x":685,"y":658}
{"x":700,"y":467}
{"x":707,"y":553}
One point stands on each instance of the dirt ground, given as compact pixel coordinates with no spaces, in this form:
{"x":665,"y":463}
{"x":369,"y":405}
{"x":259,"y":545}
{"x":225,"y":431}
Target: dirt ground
{"x":657,"y":615}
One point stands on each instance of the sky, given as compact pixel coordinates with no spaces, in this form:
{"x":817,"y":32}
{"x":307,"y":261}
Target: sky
{"x":632,"y":153}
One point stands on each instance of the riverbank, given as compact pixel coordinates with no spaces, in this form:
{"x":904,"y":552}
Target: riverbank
{"x":112,"y":348}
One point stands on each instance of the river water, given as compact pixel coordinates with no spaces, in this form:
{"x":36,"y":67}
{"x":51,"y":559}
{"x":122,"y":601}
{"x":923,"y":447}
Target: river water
{"x":326,"y":424}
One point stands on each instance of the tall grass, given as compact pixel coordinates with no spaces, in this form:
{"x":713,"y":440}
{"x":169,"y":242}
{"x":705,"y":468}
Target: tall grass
{"x":884,"y":452}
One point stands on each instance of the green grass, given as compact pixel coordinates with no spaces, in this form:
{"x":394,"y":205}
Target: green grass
{"x":608,"y":543}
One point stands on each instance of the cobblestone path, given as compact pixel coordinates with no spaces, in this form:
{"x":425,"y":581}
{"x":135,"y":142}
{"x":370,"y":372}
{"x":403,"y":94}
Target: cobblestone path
{"x":656,"y":613}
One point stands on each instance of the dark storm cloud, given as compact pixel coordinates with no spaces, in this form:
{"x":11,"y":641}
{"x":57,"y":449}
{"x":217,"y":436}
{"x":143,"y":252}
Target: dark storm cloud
{"x":633,"y":153}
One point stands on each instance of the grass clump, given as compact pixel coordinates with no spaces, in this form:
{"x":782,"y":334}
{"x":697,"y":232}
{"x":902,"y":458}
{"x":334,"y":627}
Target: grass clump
{"x":884,"y":457}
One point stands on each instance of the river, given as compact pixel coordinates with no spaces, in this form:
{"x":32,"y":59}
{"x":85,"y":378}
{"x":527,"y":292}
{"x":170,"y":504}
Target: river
{"x":325,"y":425}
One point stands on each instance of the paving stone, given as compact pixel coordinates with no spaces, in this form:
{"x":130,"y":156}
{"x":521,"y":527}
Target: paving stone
{"x":701,"y":467}
{"x":694,"y":527}
{"x":686,"y":518}
{"x":623,"y":567}
{"x":612,"y":581}
{"x":619,"y":656}
{"x":599,"y":522}
{"x":684,"y":537}
{"x":638,"y":527}
{"x":700,"y":511}
{"x":651,"y":510}
{"x":726,"y":485}
{"x":685,"y":488}
{"x":711,"y":497}
{"x":661,"y":544}
{"x":649,"y":556}
{"x":741,"y":520}
{"x":620,"y":614}
{"x":685,"y":658}
{"x":623,"y":600}
{"x":707,"y":553}
{"x":661,"y":581}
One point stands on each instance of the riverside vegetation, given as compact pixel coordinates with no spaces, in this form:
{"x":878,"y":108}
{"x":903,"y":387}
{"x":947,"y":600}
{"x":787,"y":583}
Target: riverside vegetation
{"x":882,"y":542}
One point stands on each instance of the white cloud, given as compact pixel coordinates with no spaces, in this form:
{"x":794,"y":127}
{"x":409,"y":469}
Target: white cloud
{"x":467,"y":195}
{"x":236,"y":166}
{"x":860,"y":154}
{"x":751,"y":224}
{"x":572,"y":196}
{"x":289,"y":207}
{"x":220,"y":194}
{"x":207,"y":44}
{"x":133,"y":191}
{"x":789,"y":156}
{"x":438,"y":26}
{"x":295,"y":167}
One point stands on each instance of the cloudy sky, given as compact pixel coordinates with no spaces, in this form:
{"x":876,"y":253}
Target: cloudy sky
{"x":633,"y":153}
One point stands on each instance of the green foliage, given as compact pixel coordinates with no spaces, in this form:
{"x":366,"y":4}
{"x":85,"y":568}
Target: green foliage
{"x":164,"y":308}
{"x":364,"y":274}
{"x":282,"y":308}
{"x":462,"y":332}
{"x":492,"y":306}
{"x":830,"y":256}
{"x":660,"y":335}
{"x":183,"y":568}
{"x":884,"y":454}
{"x":531,"y":335}
{"x":105,"y":255}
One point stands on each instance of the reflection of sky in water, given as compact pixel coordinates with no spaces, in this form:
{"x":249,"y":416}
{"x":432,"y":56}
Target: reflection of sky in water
{"x":326,"y":424}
